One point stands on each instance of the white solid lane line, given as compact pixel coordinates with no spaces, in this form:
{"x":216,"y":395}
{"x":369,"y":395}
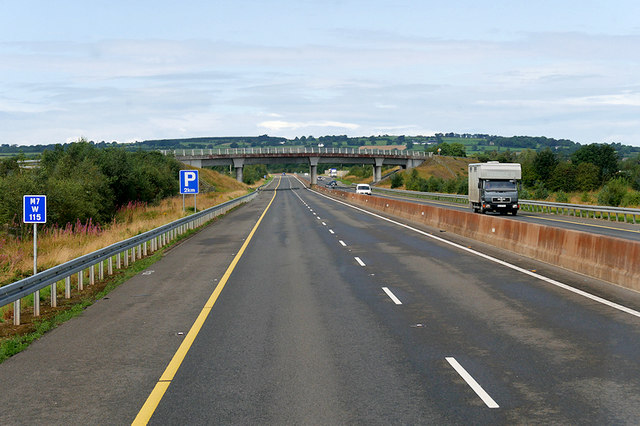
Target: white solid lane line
{"x":471,"y":382}
{"x":324,"y":224}
{"x":331,"y":230}
{"x":567,"y":287}
{"x":392,"y":296}
{"x":359,"y":261}
{"x":343,"y":244}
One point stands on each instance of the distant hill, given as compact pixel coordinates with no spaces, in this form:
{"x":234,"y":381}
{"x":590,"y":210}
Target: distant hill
{"x":473,"y":143}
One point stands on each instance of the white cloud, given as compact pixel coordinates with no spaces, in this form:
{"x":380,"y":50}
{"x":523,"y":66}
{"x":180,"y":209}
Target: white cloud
{"x":276,"y":126}
{"x":621,"y":99}
{"x":385,"y":106}
{"x":115,"y":89}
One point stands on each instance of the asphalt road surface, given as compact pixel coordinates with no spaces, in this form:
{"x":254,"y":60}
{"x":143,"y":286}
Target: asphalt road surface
{"x":331,"y":315}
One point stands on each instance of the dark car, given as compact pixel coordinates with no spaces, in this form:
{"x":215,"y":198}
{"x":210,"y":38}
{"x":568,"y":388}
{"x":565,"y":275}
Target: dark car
{"x":332,"y":184}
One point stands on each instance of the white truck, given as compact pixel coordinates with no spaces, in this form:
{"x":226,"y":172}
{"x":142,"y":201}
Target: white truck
{"x":493,"y":186}
{"x":333,"y":172}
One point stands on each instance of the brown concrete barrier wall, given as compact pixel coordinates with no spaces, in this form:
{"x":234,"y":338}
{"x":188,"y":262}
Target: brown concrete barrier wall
{"x":607,"y":258}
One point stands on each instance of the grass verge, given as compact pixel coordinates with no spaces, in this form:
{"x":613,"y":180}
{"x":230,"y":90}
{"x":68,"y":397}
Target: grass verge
{"x":17,"y":339}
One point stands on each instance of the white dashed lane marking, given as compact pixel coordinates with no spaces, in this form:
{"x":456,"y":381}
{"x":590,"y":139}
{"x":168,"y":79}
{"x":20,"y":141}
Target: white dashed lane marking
{"x":392,"y":296}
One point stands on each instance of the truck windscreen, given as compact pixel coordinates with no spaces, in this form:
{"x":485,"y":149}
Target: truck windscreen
{"x":500,"y":185}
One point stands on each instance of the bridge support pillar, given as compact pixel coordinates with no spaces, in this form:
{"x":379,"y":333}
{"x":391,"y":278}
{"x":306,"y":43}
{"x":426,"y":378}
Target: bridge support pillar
{"x":377,"y":170}
{"x":238,"y":164}
{"x":313,"y":166}
{"x":411,"y":163}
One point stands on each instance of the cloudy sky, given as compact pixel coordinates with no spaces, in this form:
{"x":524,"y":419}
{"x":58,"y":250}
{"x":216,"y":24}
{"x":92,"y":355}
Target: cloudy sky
{"x":136,"y":70}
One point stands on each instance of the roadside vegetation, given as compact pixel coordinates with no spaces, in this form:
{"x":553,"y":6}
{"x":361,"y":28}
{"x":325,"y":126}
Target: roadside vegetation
{"x":95,"y":198}
{"x":593,"y":174}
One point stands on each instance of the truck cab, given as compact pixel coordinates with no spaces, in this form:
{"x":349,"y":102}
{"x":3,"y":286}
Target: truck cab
{"x":493,"y":187}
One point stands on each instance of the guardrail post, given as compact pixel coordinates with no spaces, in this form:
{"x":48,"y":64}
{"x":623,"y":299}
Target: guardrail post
{"x":16,"y":312}
{"x":67,"y":287}
{"x":92,"y":275}
{"x":125,"y":255}
{"x":36,"y":303}
{"x":54,"y":294}
{"x":118,"y":261}
{"x":101,"y":270}
{"x":81,"y":280}
{"x":145,"y":249}
{"x":110,"y":266}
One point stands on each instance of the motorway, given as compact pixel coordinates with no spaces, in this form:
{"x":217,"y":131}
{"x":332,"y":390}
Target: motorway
{"x":298,"y":309}
{"x":627,"y":231}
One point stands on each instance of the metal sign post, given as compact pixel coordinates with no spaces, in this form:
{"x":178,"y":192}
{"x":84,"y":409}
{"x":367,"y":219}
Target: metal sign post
{"x":34,"y":211}
{"x":189,"y":184}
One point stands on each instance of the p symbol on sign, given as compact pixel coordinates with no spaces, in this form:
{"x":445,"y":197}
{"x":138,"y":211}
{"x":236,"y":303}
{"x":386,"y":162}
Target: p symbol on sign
{"x":189,"y":177}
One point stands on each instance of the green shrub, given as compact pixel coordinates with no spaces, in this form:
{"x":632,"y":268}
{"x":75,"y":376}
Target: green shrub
{"x":540,"y":192}
{"x":361,"y":171}
{"x":612,"y":193}
{"x":414,"y":182}
{"x":631,"y":199}
{"x":586,"y":197}
{"x":450,"y":186}
{"x":562,"y":197}
{"x":463,"y":186}
{"x":434,"y":184}
{"x":397,"y":180}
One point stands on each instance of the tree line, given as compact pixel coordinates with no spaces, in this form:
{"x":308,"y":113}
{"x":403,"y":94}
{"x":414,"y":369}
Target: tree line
{"x":594,"y":167}
{"x":83,"y":182}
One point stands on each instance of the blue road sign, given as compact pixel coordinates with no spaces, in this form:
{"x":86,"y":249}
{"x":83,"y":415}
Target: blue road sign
{"x":34,"y":209}
{"x":189,"y":182}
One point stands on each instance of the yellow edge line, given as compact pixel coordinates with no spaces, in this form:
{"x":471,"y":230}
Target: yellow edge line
{"x":149,"y":407}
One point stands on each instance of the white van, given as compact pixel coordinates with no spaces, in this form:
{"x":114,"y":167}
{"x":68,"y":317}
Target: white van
{"x":363,"y":188}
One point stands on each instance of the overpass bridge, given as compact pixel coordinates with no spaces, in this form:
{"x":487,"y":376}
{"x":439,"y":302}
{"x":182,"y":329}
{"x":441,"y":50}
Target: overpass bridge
{"x":239,"y":157}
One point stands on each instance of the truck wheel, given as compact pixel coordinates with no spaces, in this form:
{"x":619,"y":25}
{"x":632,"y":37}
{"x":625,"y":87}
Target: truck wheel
{"x":515,"y":212}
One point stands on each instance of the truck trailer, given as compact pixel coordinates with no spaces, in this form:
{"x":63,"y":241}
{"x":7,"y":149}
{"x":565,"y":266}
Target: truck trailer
{"x":493,"y":187}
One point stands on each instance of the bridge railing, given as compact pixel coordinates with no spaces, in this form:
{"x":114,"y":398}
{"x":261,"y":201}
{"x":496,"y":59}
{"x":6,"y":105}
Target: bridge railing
{"x":618,"y":214}
{"x":125,"y":252}
{"x":293,"y":150}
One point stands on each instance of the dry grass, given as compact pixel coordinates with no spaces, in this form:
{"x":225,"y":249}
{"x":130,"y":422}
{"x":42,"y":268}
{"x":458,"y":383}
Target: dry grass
{"x":56,"y":246}
{"x":439,"y":167}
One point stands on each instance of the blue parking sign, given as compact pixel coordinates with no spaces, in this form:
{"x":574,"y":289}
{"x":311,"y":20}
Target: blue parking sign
{"x":34,"y":209}
{"x":189,"y":183}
